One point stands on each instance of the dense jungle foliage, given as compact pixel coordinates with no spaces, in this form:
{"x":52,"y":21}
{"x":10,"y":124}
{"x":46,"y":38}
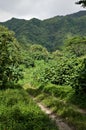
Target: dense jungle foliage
{"x":57,"y":78}
{"x":9,"y":58}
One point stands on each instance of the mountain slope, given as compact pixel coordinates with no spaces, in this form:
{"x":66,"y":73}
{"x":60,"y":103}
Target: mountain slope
{"x":49,"y":33}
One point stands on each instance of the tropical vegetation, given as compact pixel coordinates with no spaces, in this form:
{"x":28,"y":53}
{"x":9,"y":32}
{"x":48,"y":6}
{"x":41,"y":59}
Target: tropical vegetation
{"x":39,"y":72}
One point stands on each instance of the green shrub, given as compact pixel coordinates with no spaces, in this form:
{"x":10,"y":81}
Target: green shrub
{"x":9,"y":58}
{"x":78,"y":79}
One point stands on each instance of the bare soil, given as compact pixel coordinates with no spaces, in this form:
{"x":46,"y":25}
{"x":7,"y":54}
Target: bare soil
{"x":59,"y":122}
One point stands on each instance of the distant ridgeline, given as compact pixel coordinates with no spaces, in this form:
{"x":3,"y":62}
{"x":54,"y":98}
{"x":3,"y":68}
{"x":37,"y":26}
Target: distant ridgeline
{"x":50,"y":33}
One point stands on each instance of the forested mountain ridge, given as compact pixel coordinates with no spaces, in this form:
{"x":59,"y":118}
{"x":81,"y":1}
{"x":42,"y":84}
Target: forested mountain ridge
{"x":50,"y":32}
{"x":32,"y":77}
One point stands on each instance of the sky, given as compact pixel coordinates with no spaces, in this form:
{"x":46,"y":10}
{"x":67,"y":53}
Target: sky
{"x":41,"y":9}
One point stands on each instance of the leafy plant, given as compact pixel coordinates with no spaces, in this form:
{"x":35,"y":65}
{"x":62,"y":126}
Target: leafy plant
{"x":9,"y":57}
{"x":78,"y":79}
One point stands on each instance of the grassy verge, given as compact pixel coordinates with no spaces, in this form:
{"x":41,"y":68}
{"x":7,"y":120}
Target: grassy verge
{"x":18,"y":111}
{"x":61,"y":100}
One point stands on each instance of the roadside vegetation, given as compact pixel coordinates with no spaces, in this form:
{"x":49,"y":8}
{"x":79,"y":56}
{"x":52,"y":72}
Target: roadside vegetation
{"x":57,"y":80}
{"x":17,"y":109}
{"x":61,"y":99}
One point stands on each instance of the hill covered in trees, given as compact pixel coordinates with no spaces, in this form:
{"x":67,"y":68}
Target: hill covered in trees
{"x":56,"y":79}
{"x":50,"y":33}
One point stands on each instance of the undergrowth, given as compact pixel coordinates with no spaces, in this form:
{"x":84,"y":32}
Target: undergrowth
{"x":63,"y":101}
{"x":18,"y":111}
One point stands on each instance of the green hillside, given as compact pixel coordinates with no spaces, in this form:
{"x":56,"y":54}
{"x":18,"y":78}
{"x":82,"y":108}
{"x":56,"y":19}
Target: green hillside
{"x":33,"y":79}
{"x":50,"y":32}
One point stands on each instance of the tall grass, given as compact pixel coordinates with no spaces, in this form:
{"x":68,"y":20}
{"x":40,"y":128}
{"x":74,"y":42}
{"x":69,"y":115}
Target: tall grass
{"x":19,"y":112}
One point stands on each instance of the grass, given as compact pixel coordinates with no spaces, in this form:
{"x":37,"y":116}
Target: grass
{"x":19,"y":111}
{"x":61,"y":100}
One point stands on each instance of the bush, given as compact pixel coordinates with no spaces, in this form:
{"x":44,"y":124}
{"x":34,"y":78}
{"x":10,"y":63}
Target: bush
{"x":38,"y":52}
{"x":78,"y":79}
{"x":29,"y":62}
{"x":58,"y":72}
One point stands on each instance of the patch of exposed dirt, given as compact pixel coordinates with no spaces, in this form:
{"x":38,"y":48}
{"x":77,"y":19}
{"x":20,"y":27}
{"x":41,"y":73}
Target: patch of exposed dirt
{"x":61,"y":124}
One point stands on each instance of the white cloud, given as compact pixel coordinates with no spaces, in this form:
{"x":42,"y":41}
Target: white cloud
{"x":36,"y":8}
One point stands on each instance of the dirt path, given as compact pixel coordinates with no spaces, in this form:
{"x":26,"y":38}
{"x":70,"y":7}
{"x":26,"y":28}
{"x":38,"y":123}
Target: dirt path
{"x":58,"y":121}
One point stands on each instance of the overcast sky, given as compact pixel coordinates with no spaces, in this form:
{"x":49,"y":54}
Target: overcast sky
{"x":42,"y":9}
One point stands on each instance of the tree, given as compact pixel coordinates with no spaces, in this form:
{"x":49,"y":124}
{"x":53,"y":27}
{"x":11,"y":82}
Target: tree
{"x":9,"y":57}
{"x":76,"y":45}
{"x":82,"y":2}
{"x":38,"y":52}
